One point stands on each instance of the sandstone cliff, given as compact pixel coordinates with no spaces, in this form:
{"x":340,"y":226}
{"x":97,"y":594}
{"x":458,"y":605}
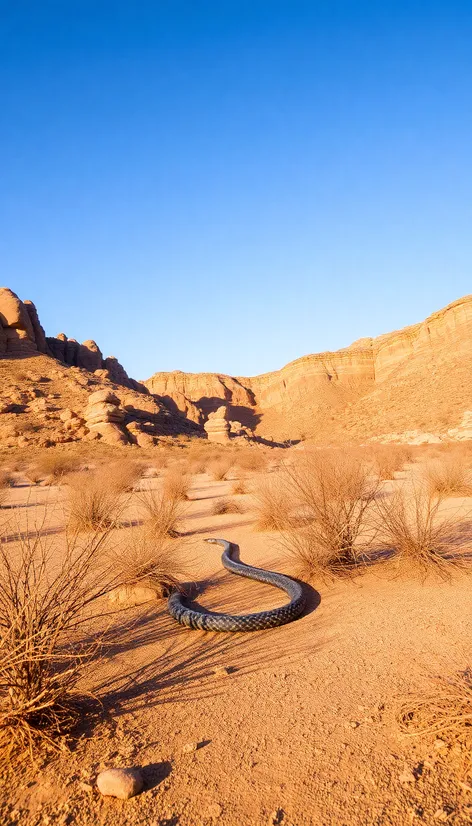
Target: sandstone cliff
{"x":419,"y":377}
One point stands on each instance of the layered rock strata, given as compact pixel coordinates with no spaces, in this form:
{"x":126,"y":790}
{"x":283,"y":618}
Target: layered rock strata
{"x":217,"y":427}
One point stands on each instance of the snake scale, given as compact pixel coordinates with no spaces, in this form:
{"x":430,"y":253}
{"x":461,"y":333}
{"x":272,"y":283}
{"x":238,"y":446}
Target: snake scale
{"x":209,"y":621}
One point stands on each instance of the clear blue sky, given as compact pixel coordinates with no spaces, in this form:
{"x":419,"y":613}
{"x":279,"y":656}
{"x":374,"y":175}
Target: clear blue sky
{"x":227,"y":186}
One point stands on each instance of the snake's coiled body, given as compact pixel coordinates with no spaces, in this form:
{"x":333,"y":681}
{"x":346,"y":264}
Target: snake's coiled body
{"x":247,"y":622}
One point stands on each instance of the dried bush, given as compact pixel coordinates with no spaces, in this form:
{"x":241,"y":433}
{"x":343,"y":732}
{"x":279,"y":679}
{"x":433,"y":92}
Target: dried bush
{"x":411,"y":524}
{"x":251,"y":459}
{"x":219,"y":468}
{"x":221,"y":506}
{"x":449,"y":476}
{"x":5,"y":483}
{"x":44,"y":647}
{"x":56,"y":465}
{"x":33,"y":475}
{"x":389,"y":459}
{"x":272,"y":502}
{"x":122,"y":476}
{"x":176,"y":483}
{"x":161,"y":512}
{"x":239,"y":487}
{"x":151,"y":559}
{"x":93,"y":505}
{"x":333,"y":493}
{"x":446,"y":715}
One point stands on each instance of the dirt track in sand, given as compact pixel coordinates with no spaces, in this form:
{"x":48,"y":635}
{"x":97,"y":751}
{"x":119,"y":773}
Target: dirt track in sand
{"x":300,"y":731}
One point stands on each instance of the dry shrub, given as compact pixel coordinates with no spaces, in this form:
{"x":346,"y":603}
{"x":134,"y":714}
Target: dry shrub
{"x":161,"y":512}
{"x":449,"y":476}
{"x":93,"y":504}
{"x":5,"y":483}
{"x":226,"y":506}
{"x":153,"y":560}
{"x":333,"y":493}
{"x":272,"y":503}
{"x":33,"y":475}
{"x":252,"y":459}
{"x":176,"y":483}
{"x":446,"y":715}
{"x":56,"y":465}
{"x":389,"y":459}
{"x":46,"y":616}
{"x":122,"y":476}
{"x":219,"y":468}
{"x":239,"y":486}
{"x":411,"y":524}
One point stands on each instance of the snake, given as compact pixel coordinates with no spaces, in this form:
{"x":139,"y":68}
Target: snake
{"x":211,"y":621}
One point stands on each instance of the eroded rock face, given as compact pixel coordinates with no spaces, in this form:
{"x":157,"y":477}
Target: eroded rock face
{"x":217,"y":427}
{"x":305,"y":393}
{"x":104,"y":417}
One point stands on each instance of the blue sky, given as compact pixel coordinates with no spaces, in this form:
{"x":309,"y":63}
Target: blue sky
{"x":227,"y":186}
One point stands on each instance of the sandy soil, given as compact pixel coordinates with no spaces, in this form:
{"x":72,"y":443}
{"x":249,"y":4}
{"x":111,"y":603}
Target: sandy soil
{"x":292,"y":726}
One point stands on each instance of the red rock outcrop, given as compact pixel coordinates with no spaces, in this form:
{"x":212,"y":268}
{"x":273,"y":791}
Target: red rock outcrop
{"x":308,"y":393}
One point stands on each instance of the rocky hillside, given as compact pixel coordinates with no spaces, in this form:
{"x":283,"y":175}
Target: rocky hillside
{"x":55,"y":390}
{"x":417,"y":379}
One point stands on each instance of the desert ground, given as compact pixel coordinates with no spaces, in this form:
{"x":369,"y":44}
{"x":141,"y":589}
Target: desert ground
{"x":300,"y":724}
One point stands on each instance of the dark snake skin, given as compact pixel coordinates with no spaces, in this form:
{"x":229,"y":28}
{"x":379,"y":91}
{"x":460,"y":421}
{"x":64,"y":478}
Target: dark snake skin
{"x":247,"y":622}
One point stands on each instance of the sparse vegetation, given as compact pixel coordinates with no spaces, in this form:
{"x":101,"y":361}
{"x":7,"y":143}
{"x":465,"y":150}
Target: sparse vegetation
{"x":413,"y":526}
{"x":449,"y":475}
{"x":272,"y":502}
{"x":43,"y":649}
{"x":332,"y":493}
{"x":55,"y":466}
{"x":162,"y":512}
{"x":152,"y":559}
{"x":222,"y":506}
{"x":176,"y":483}
{"x":93,"y":504}
{"x":219,"y":468}
{"x":122,"y":476}
{"x":446,"y":715}
{"x":239,"y":486}
{"x":390,"y":459}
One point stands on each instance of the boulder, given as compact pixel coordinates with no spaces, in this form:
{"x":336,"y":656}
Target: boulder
{"x":39,"y":334}
{"x":217,"y":427}
{"x":121,"y":783}
{"x":14,"y":314}
{"x":109,"y":432}
{"x":106,"y":396}
{"x":90,"y":356}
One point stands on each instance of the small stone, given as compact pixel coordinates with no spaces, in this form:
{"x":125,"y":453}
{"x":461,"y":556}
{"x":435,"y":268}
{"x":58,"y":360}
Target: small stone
{"x":439,"y":744}
{"x":221,"y":671}
{"x":86,"y":787}
{"x":214,"y":811}
{"x":354,"y":723}
{"x":121,"y":783}
{"x":277,"y":817}
{"x":189,"y":748}
{"x":442,"y":815}
{"x":407,"y":777}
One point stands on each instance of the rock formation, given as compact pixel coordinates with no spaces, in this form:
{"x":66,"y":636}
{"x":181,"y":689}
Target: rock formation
{"x":418,"y":377}
{"x":217,"y":427}
{"x":104,"y":418}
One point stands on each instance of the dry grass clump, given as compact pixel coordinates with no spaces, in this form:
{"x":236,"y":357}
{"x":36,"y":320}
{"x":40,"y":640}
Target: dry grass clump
{"x":162,"y":512}
{"x":411,"y":524}
{"x":272,"y":503}
{"x":446,"y":715}
{"x":43,"y":644}
{"x":222,"y":506}
{"x":5,"y":483}
{"x":56,"y":465}
{"x":251,"y":459}
{"x":389,"y":459}
{"x":93,"y":504}
{"x":153,"y":560}
{"x":239,"y":486}
{"x":176,"y":483}
{"x":122,"y":476}
{"x":333,"y":493}
{"x":219,"y":468}
{"x":33,"y":475}
{"x":449,"y":476}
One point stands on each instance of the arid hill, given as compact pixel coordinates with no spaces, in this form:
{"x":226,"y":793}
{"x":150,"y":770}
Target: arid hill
{"x":55,"y":390}
{"x":412,"y":385}
{"x":415,"y":379}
